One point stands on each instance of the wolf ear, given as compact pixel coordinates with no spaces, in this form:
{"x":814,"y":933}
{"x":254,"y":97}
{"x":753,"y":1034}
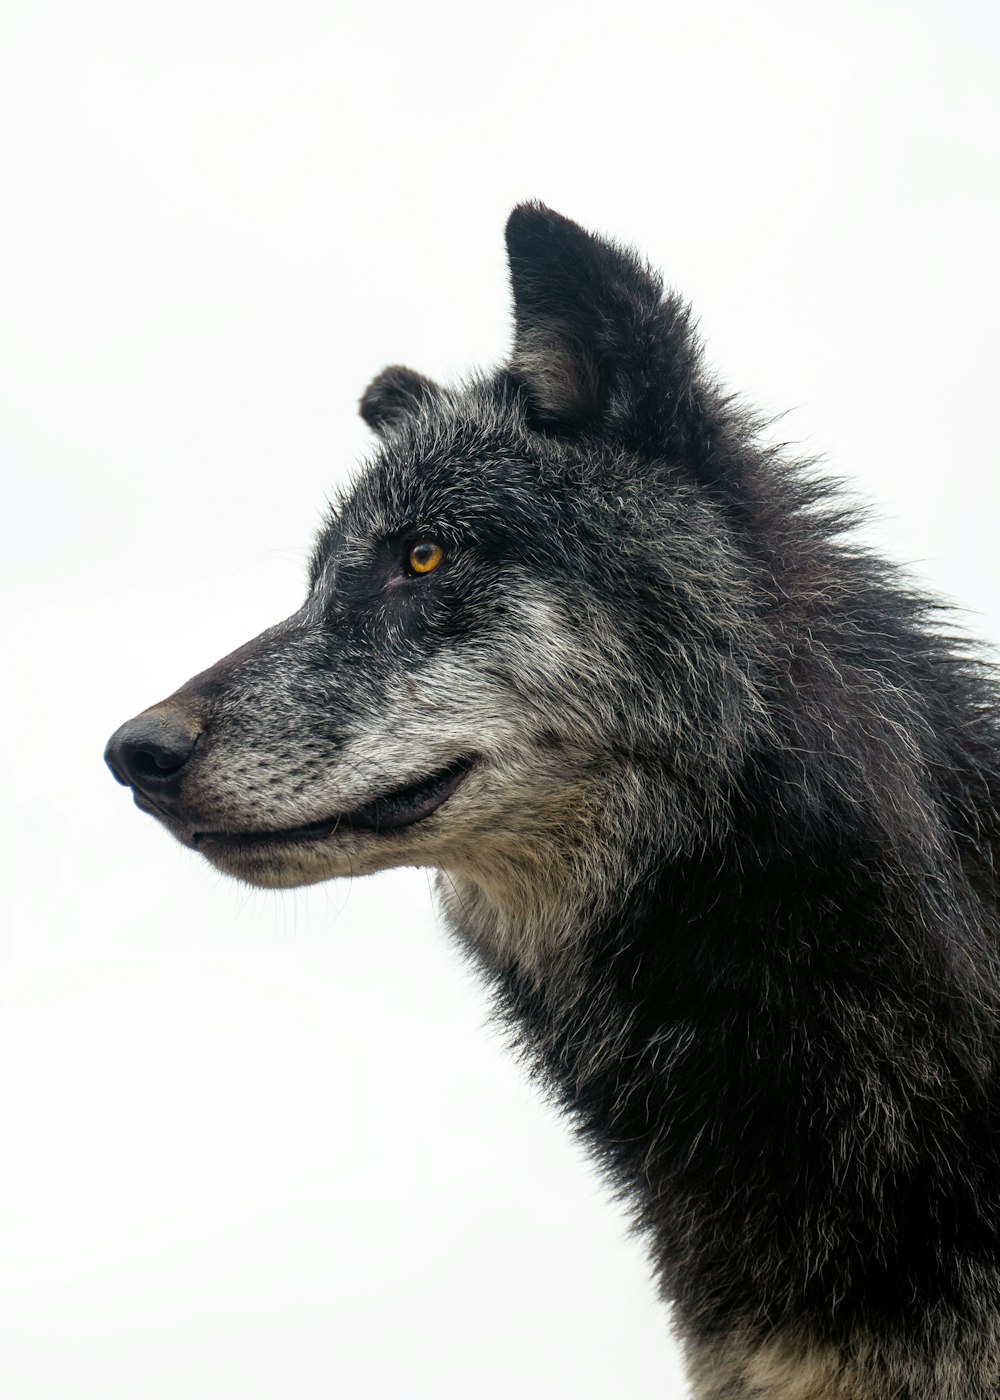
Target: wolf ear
{"x":595,"y":343}
{"x":395,"y":395}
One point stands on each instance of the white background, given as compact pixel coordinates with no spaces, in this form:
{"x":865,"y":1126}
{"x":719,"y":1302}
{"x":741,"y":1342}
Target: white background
{"x":262,"y":1145}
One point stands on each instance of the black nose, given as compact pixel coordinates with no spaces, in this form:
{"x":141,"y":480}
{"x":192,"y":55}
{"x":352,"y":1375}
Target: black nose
{"x":150,"y":752}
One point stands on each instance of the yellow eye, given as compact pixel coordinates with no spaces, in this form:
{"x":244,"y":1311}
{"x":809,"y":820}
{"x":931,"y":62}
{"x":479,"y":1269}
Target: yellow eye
{"x":425,"y":556}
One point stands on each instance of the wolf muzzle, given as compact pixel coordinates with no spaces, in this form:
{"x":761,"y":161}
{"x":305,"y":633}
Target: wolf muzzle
{"x":152,"y":752}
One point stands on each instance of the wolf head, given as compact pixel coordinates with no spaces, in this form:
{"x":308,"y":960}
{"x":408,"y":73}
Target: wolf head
{"x":529,"y":633}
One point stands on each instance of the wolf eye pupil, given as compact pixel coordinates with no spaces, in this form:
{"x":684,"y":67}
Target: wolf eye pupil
{"x":425,"y":556}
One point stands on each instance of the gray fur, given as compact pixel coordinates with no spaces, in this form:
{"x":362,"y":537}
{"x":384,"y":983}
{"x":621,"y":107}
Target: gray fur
{"x":713,"y":800}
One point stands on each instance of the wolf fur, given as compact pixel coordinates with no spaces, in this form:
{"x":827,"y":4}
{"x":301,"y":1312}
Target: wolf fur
{"x":714,"y":800}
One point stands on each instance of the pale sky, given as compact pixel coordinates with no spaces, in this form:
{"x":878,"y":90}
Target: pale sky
{"x":262,"y":1145}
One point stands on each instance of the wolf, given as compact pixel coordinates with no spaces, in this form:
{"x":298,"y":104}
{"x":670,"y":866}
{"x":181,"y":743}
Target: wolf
{"x":713,"y":795}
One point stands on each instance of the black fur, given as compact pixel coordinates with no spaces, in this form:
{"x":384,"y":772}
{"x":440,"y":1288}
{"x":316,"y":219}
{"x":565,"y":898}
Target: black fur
{"x":789,"y":1058}
{"x":730,"y":860}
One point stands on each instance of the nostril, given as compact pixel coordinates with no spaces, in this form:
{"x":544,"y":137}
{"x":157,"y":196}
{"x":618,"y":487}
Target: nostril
{"x":154,"y":764}
{"x":150,"y":752}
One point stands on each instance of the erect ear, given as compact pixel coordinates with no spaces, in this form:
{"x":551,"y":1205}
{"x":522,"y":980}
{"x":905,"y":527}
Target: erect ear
{"x":595,"y":343}
{"x":394,"y":395}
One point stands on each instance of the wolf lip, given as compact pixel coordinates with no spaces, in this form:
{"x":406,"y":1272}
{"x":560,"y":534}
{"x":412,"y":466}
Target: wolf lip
{"x":390,"y":812}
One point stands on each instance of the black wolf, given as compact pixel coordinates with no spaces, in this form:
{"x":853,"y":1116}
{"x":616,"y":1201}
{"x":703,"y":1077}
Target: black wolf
{"x":714,"y":798}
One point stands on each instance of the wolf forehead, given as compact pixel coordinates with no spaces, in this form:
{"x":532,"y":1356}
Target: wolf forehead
{"x":472,"y":466}
{"x":451,"y":453}
{"x":465,"y":464}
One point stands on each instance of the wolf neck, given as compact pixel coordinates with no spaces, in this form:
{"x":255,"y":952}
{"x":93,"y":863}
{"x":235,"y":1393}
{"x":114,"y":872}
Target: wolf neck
{"x":768,"y":1066}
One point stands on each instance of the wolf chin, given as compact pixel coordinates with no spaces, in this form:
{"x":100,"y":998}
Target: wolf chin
{"x":713,"y":797}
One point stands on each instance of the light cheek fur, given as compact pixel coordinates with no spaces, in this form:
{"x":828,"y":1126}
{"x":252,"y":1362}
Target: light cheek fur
{"x":539,"y":837}
{"x":272,"y":760}
{"x":536,"y":837}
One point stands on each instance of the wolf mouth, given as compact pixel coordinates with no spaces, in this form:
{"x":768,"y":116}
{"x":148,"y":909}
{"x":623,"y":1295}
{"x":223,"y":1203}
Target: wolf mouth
{"x":391,"y":811}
